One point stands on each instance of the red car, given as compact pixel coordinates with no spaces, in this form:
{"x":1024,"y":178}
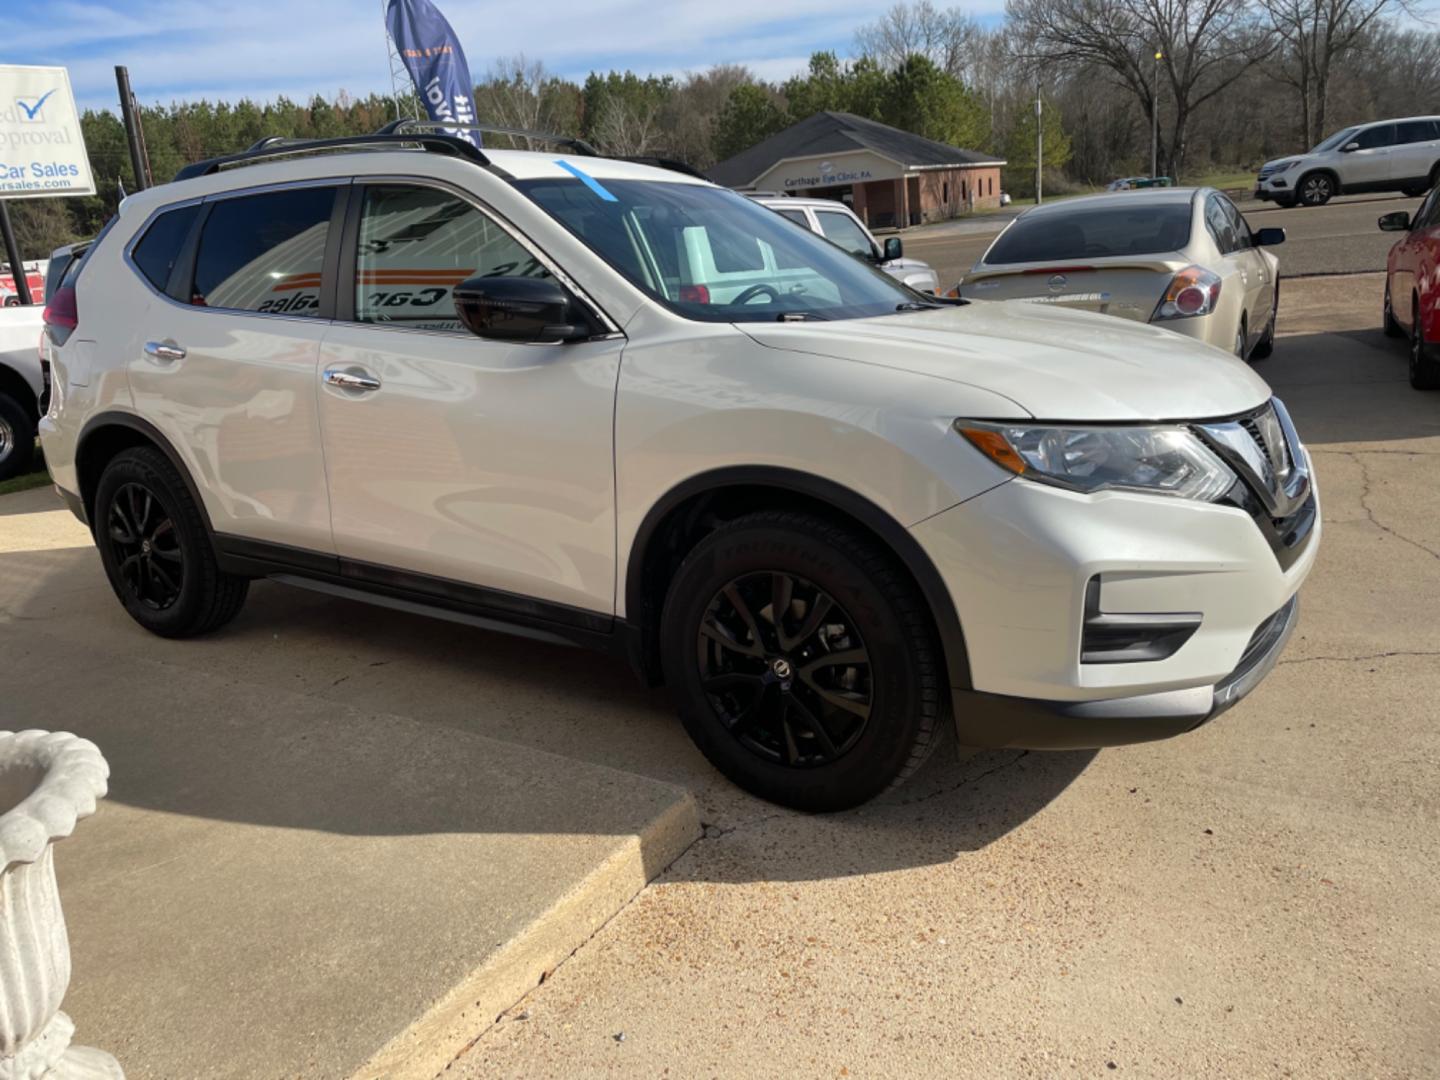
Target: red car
{"x":1412,"y":288}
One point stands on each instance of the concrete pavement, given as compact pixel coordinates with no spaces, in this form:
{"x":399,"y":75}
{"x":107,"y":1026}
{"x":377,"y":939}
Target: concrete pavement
{"x":285,"y":885}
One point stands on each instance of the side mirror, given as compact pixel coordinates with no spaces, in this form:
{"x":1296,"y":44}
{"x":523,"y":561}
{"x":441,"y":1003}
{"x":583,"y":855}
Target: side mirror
{"x":894,"y":248}
{"x":1350,"y":148}
{"x":1269,"y":237}
{"x":523,"y":309}
{"x":1396,"y":221}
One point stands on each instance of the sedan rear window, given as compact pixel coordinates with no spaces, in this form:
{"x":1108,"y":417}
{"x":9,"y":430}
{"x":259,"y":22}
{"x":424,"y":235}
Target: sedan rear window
{"x":1126,"y":227}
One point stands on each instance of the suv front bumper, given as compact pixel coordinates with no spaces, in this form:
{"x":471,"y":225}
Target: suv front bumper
{"x":994,"y":720}
{"x":1031,"y":569}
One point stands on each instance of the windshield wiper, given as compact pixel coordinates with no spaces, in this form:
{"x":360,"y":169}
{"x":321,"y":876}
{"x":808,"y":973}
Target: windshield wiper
{"x":801,"y":316}
{"x":916,"y":305}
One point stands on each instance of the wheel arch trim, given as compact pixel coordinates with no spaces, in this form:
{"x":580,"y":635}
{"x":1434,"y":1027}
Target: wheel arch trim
{"x":898,"y":539}
{"x":116,"y":418}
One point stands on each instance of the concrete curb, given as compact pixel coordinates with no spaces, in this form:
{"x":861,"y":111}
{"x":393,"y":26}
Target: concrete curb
{"x":468,"y":1010}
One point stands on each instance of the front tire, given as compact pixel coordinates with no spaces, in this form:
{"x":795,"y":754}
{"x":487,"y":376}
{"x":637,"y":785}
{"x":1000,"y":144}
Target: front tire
{"x":1266,"y":345}
{"x":802,"y":660}
{"x":1387,"y":315}
{"x":156,"y":550}
{"x":1424,"y":367}
{"x":1317,"y":189}
{"x":17,"y":438}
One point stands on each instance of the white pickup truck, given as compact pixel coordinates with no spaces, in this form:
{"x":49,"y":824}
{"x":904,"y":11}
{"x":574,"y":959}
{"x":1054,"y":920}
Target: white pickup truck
{"x":22,"y":384}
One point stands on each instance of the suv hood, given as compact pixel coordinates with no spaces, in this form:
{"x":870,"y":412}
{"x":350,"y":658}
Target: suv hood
{"x":1056,"y":364}
{"x":1278,"y":163}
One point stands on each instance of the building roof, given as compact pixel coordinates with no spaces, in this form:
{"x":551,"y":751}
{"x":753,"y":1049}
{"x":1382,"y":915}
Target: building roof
{"x":836,"y":133}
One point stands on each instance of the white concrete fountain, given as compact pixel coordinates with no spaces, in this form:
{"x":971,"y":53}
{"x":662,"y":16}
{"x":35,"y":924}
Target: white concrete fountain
{"x":49,"y":780}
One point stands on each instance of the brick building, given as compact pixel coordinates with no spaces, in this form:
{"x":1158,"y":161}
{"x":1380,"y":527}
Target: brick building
{"x":890,"y":177}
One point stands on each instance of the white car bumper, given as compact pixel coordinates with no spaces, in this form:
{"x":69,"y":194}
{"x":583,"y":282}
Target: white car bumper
{"x":1031,"y":568}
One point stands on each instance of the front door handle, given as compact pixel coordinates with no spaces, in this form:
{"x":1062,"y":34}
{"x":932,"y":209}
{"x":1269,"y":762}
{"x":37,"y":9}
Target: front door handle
{"x":164,"y":351}
{"x":351,"y":380}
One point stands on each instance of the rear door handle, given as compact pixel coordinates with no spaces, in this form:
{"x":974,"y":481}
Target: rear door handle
{"x":351,"y":380}
{"x":164,"y":351}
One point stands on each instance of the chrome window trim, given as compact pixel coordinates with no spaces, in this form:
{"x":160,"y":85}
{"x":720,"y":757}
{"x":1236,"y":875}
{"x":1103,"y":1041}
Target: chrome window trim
{"x":612,"y":328}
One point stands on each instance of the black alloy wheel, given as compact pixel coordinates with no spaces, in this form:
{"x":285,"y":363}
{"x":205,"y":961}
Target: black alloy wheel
{"x":803,"y":660}
{"x":146,"y":547}
{"x":156,"y":548}
{"x":1317,"y":189}
{"x":785,"y":669}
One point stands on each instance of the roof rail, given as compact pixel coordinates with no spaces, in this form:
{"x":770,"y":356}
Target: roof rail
{"x":277,"y":147}
{"x":406,"y":124}
{"x":666,"y":163}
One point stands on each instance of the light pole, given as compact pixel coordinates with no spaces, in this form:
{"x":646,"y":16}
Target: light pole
{"x":1039,"y":147}
{"x":1155,"y":117}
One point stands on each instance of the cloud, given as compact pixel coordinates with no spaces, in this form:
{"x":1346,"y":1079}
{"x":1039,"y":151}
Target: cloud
{"x":260,"y":48}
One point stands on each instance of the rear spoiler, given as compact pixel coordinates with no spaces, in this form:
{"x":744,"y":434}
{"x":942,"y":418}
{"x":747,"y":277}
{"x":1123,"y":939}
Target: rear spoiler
{"x":1156,"y":264}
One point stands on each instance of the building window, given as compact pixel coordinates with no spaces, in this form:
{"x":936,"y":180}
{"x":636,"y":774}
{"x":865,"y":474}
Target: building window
{"x":945,"y":191}
{"x":990,"y":182}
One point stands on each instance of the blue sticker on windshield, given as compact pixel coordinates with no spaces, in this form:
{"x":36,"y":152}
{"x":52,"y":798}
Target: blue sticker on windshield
{"x":588,"y":181}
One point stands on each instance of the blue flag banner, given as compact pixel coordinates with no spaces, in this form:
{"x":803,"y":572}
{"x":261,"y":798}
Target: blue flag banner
{"x":436,"y":62}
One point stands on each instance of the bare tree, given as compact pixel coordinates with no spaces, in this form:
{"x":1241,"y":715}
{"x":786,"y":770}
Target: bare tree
{"x":517,"y":93}
{"x":949,"y":39}
{"x":1205,"y":46}
{"x":627,"y":128}
{"x":1315,"y":34}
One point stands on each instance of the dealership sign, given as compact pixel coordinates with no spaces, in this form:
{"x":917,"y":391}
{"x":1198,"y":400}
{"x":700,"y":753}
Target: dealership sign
{"x":41,"y":149}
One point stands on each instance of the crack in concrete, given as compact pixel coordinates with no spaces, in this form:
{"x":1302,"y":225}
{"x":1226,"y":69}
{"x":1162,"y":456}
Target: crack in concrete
{"x":967,"y":781}
{"x":1370,"y":510}
{"x":1354,"y":659}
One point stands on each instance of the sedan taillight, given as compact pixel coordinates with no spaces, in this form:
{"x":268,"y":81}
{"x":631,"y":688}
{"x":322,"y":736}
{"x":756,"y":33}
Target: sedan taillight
{"x":1193,"y":291}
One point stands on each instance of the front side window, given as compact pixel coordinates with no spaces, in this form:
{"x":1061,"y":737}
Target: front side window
{"x":265,"y":253}
{"x":713,"y":255}
{"x":797,"y":216}
{"x":1376,"y":137}
{"x":416,"y":244}
{"x":844,"y":230}
{"x":1221,"y":228}
{"x":1239,"y":227}
{"x":159,"y":248}
{"x":1334,"y":142}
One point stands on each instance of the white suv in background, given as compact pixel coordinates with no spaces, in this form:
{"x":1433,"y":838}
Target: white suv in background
{"x":596,"y":402}
{"x":1388,"y":155}
{"x":837,"y":223}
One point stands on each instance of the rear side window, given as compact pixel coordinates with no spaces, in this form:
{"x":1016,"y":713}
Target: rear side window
{"x":416,"y":244}
{"x":1413,"y":131}
{"x":265,"y":252}
{"x":1122,"y":226}
{"x":844,"y":230}
{"x":159,"y":248}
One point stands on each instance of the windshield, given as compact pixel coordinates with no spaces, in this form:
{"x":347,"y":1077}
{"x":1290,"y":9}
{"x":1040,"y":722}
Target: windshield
{"x":712,"y":255}
{"x":1335,"y":140}
{"x":1120,"y":226}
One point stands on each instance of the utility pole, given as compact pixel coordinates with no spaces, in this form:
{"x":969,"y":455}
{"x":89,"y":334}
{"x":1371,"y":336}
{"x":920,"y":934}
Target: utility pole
{"x":133,"y":134}
{"x":1039,"y":147}
{"x":1155,"y":117}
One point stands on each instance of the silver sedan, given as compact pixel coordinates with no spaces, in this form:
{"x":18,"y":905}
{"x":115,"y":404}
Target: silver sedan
{"x":1182,"y":258}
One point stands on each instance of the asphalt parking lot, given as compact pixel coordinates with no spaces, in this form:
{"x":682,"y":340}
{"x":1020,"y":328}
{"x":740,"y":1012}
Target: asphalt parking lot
{"x":1255,"y":899}
{"x":1338,"y":238}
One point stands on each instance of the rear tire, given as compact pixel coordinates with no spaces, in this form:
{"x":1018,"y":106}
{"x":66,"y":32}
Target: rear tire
{"x":156,"y":549}
{"x":1424,"y":367}
{"x":17,"y":438}
{"x":755,"y":691}
{"x":1316,"y":189}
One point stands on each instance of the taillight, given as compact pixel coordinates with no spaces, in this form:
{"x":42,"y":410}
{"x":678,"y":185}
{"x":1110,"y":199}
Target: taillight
{"x":1193,"y":291}
{"x":61,"y":315}
{"x":695,"y":294}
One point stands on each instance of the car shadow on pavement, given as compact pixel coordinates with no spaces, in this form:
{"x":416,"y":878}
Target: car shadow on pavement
{"x":234,"y":726}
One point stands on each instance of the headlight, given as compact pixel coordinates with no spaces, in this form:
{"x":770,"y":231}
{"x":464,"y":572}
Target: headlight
{"x":1288,"y":165}
{"x":1153,"y":460}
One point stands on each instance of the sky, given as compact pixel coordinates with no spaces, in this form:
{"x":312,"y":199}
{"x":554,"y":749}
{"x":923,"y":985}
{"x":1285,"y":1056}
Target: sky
{"x":230,"y":49}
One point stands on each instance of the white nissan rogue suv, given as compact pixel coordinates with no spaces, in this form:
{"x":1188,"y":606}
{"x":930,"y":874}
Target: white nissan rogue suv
{"x":603,"y":403}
